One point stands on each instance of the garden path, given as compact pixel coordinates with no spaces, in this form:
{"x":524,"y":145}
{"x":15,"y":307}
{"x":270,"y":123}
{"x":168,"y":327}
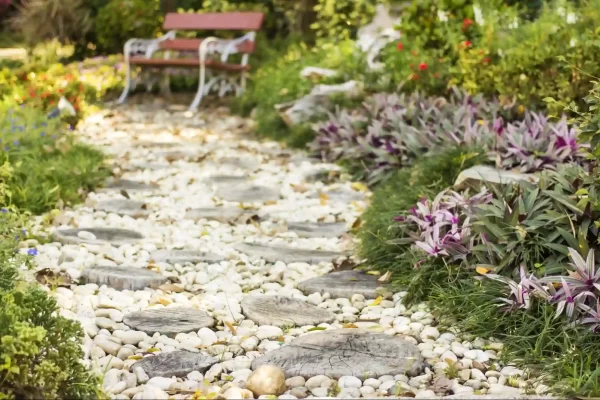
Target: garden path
{"x":213,"y":254}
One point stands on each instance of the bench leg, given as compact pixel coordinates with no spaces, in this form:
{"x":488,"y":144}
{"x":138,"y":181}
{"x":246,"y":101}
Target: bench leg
{"x":127,"y":84}
{"x":165,"y":84}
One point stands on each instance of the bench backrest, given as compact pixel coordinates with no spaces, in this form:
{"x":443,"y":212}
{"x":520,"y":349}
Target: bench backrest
{"x":227,"y":21}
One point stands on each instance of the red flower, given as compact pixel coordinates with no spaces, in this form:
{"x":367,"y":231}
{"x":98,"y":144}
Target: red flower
{"x":412,"y":66}
{"x":436,"y":75}
{"x":467,"y":43}
{"x":51,"y":102}
{"x":466,"y":23}
{"x":422,"y":66}
{"x":415,"y":77}
{"x":60,"y":91}
{"x":399,"y":46}
{"x":414,"y":52}
{"x":486,"y":60}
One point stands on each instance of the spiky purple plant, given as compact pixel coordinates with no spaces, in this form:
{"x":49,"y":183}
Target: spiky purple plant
{"x":535,"y":144}
{"x":442,"y":227}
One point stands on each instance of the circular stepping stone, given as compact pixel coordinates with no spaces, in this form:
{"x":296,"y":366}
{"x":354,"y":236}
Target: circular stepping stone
{"x":114,"y":236}
{"x":224,"y":179}
{"x":135,"y":209}
{"x":186,"y":256}
{"x":188,"y":155}
{"x":247,"y":163}
{"x":169,"y":321}
{"x":345,"y":352}
{"x":221,"y":214}
{"x":283,"y":311}
{"x":288,"y":255}
{"x":342,"y":195}
{"x":129,"y":185}
{"x":123,"y":278}
{"x":247,"y":193}
{"x":175,"y":363}
{"x":342,"y":284}
{"x":317,"y":230}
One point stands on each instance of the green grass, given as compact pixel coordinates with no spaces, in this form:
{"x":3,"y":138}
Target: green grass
{"x":427,"y":177}
{"x":43,"y":164}
{"x":566,"y":357}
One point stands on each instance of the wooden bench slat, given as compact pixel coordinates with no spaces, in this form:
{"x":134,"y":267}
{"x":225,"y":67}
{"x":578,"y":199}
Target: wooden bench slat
{"x":194,"y":44}
{"x":187,"y":63}
{"x":234,"y":21}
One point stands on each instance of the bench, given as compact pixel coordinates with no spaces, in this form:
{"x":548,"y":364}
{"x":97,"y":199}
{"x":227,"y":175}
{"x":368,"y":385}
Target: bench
{"x":214,"y":71}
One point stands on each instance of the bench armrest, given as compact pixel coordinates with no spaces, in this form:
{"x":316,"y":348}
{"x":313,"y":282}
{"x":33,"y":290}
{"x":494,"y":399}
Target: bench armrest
{"x":225,"y":47}
{"x":145,"y":46}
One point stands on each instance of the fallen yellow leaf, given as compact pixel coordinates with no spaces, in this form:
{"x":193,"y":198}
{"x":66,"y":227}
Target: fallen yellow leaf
{"x":376,"y":273}
{"x":152,"y":350}
{"x":135,"y":357}
{"x":230,"y":326}
{"x":482,"y":270}
{"x":323,"y":199}
{"x":349,"y":326}
{"x":385,"y":277}
{"x":164,"y":302}
{"x":357,"y":223}
{"x":377,"y":301}
{"x":361,"y":187}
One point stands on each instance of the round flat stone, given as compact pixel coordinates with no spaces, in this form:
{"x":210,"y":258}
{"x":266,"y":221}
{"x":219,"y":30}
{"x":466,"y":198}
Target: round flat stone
{"x":188,"y":155}
{"x":342,"y":284}
{"x":129,"y":185}
{"x":114,"y":236}
{"x":185,"y":257}
{"x":247,"y":163}
{"x":221,"y":214}
{"x":123,"y":278}
{"x":169,"y":321}
{"x":342,"y":195}
{"x":175,"y":363}
{"x":319,"y":229}
{"x":283,"y":311}
{"x":271,"y":253}
{"x":225,"y":179}
{"x":132,"y":208}
{"x":248,"y":193}
{"x":345,"y":352}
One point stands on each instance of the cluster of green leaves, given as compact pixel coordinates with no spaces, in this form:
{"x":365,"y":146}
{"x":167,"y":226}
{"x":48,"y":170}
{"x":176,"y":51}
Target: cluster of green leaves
{"x":535,"y":224}
{"x":494,"y":57}
{"x":121,"y":20}
{"x":586,"y":117}
{"x":278,"y":81}
{"x":43,"y":162}
{"x":40,"y":351}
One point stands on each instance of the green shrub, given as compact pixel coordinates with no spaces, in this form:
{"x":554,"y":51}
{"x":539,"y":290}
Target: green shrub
{"x":278,"y":81}
{"x":46,"y":164}
{"x":40,"y":351}
{"x":121,"y":20}
{"x":39,"y":20}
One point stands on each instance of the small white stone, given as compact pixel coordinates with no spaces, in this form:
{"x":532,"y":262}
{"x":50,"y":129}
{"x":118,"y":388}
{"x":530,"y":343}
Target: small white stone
{"x":141,"y":375}
{"x":295,"y":381}
{"x":426,"y":394}
{"x":153,"y":392}
{"x":366,"y":391}
{"x":430,"y":332}
{"x":268,"y":332}
{"x":85,"y":235}
{"x":349,"y":382}
{"x":372,"y":382}
{"x":478,"y":375}
{"x":161,"y":382}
